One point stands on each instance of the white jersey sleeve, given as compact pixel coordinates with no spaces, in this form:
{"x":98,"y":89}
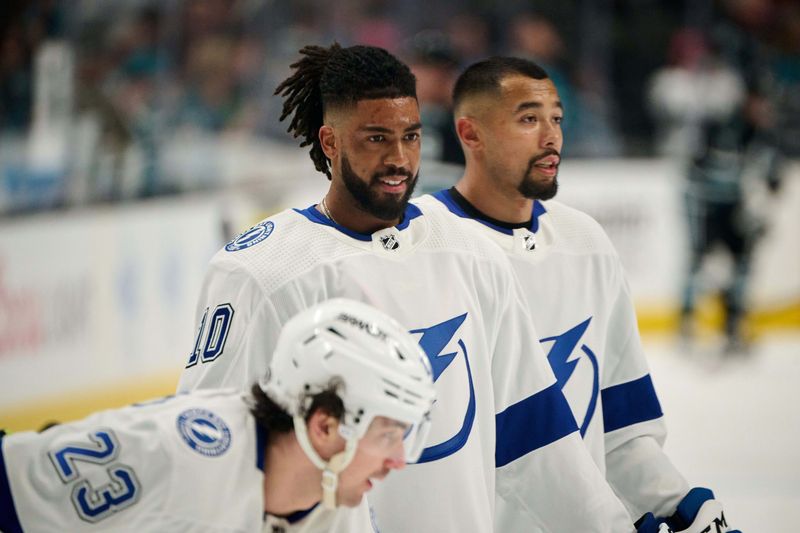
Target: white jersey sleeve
{"x":234,"y":319}
{"x":636,"y":465}
{"x":185,"y":463}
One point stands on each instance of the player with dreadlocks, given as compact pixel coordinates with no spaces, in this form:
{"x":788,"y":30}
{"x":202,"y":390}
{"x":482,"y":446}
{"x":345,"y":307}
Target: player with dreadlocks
{"x":321,"y":95}
{"x":499,"y":409}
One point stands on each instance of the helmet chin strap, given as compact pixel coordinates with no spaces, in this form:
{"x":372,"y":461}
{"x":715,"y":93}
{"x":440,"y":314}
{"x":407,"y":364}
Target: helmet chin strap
{"x":331,"y":469}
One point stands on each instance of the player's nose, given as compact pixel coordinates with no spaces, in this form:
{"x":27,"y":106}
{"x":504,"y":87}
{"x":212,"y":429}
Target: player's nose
{"x":395,"y":463}
{"x":397,"y":458}
{"x":397,"y":155}
{"x":551,"y":135}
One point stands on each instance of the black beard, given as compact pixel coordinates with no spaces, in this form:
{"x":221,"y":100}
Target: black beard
{"x":384,"y":207}
{"x":530,"y":188}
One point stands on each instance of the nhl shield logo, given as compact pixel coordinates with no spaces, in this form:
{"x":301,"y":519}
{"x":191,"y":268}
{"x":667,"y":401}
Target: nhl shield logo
{"x":389,"y":242}
{"x":529,"y":242}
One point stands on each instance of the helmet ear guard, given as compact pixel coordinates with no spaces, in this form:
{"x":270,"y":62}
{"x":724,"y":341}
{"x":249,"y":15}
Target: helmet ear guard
{"x":376,"y":367}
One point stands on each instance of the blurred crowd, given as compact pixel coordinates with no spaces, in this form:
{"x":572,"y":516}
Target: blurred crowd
{"x":111,"y":90}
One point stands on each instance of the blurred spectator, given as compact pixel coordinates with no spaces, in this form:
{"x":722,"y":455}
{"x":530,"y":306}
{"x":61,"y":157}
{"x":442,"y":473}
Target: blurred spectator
{"x":25,"y":25}
{"x":434,"y":63}
{"x":374,"y":25}
{"x":212,"y":99}
{"x":98,"y":170}
{"x":16,"y":85}
{"x":470,"y":36}
{"x":153,"y":75}
{"x":695,"y":88}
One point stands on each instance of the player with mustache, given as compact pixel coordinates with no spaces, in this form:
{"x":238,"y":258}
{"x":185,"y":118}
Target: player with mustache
{"x":508,"y":117}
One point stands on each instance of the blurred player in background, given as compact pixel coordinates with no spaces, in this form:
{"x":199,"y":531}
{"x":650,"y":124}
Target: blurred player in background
{"x":500,"y":422}
{"x":508,"y":117}
{"x":715,"y":105}
{"x":346,"y":398}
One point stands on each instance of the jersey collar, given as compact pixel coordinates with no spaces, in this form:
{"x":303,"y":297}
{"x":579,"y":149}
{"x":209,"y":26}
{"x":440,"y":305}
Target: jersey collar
{"x":312,"y":214}
{"x":447,"y":198}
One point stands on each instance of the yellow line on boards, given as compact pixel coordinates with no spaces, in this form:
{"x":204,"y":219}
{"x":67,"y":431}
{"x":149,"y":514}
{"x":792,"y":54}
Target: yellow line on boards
{"x":709,"y":317}
{"x":77,"y":405}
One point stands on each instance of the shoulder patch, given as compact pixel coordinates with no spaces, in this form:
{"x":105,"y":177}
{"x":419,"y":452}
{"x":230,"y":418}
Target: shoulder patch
{"x":204,"y":432}
{"x":251,"y":237}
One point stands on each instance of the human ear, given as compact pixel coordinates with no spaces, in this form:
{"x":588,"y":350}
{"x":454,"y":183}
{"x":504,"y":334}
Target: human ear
{"x":327,"y":139}
{"x":323,"y":432}
{"x":468,"y":133}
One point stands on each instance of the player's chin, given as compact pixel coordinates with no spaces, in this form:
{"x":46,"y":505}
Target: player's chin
{"x":352,"y":498}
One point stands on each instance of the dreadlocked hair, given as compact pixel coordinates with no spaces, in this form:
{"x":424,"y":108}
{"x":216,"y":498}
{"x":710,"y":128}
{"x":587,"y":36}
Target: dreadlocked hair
{"x":336,"y":76}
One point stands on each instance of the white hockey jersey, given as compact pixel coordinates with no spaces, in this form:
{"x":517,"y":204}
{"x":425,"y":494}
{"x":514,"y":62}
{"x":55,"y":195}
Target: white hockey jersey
{"x":191,"y":462}
{"x":578,"y":297}
{"x":498,"y":402}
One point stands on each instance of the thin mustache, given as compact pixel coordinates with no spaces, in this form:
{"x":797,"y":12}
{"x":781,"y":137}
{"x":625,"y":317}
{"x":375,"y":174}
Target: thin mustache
{"x":393,"y":172}
{"x":546,"y":153}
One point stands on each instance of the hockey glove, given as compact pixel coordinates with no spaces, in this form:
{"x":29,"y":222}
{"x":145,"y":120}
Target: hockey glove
{"x":698,"y":512}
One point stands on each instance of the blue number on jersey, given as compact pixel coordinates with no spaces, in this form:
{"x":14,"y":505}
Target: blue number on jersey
{"x":214,"y":335}
{"x":93,"y":505}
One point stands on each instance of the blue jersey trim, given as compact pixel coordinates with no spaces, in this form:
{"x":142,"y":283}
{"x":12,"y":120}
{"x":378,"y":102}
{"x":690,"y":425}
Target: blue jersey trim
{"x":688,"y":508}
{"x":537,"y":211}
{"x":9,"y":521}
{"x":299,"y":515}
{"x":312,"y":214}
{"x":630,"y":403}
{"x":532,"y":423}
{"x":446,"y":198}
{"x":261,"y":445}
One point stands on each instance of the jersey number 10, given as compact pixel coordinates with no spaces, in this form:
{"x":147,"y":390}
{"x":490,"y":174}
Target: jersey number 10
{"x":212,"y":334}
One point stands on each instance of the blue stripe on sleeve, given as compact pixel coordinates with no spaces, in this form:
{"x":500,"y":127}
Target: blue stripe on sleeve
{"x":532,"y":423}
{"x":630,"y":403}
{"x":9,"y":522}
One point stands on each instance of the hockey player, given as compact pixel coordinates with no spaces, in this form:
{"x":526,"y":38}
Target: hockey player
{"x":500,"y":422}
{"x":346,"y":400}
{"x":508,"y":117}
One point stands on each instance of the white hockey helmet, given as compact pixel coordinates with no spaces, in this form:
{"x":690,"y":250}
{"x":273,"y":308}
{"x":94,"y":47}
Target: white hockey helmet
{"x":379,"y":369}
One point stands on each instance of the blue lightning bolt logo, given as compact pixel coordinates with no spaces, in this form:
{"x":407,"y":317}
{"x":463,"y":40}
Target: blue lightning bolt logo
{"x":559,"y":358}
{"x":434,"y":340}
{"x":562,"y":349}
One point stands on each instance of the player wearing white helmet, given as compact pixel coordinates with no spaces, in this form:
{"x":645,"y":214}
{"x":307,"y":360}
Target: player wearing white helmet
{"x":346,"y":400}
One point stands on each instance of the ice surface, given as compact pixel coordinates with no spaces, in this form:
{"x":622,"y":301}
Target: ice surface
{"x":734,"y":425}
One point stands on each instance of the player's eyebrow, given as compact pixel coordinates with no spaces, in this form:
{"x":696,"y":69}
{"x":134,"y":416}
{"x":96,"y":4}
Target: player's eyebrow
{"x":381,"y":129}
{"x":535,"y":105}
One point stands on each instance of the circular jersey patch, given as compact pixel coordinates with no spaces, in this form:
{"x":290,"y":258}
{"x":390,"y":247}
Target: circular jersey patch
{"x":204,"y":432}
{"x":251,"y":237}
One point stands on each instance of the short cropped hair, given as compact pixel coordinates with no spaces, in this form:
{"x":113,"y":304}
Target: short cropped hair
{"x":485,"y":76}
